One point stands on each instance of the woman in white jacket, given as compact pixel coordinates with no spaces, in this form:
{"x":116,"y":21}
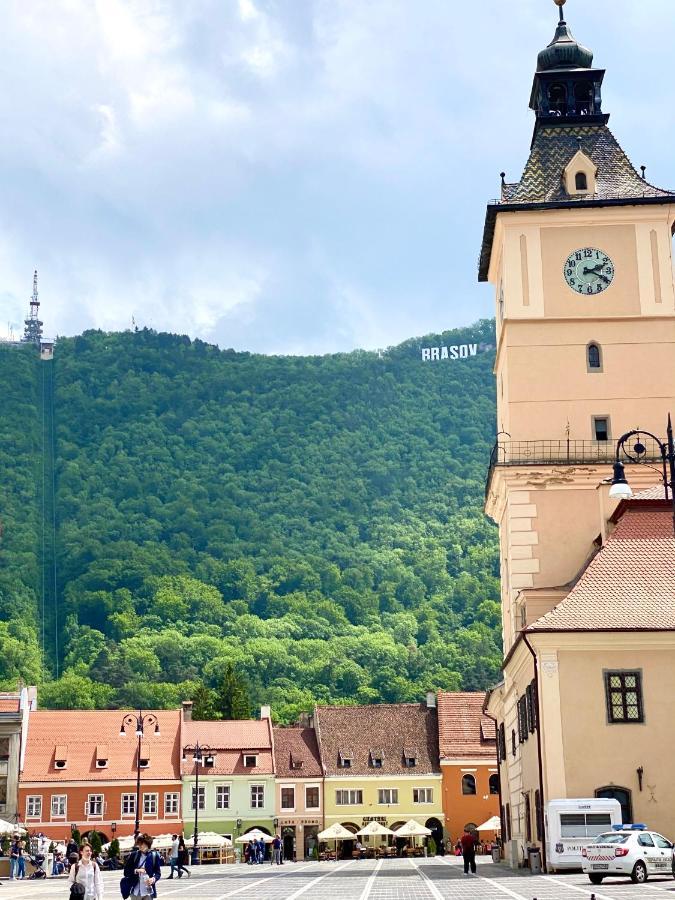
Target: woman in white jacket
{"x":87,"y":873}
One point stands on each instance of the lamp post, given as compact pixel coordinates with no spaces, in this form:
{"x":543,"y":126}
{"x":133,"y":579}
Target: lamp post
{"x":140,"y":720}
{"x":637,"y":453}
{"x":200,"y":754}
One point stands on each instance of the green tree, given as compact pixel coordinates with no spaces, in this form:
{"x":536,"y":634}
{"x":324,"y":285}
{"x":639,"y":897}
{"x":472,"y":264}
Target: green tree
{"x":232,"y":695}
{"x":203,"y":703}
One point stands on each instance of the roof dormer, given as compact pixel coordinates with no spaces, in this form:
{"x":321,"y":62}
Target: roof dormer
{"x":376,"y":758}
{"x":102,"y":756}
{"x":61,"y":756}
{"x":580,"y":175}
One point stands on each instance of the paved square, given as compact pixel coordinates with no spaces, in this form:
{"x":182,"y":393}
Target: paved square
{"x":395,"y":879}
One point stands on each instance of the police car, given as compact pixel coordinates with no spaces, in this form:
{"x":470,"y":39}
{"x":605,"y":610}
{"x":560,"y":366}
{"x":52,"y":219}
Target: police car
{"x":628,"y":850}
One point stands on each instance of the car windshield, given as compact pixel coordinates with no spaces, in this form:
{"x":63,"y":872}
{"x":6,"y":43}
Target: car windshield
{"x":612,"y":837}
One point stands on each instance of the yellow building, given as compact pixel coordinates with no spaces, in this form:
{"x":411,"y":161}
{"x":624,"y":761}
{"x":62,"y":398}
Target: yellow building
{"x":381,"y":764}
{"x":579,"y":252}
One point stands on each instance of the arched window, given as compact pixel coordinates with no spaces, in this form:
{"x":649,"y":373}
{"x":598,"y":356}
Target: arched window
{"x":468,"y":784}
{"x":583,"y":98}
{"x":623,"y":795}
{"x":580,"y":181}
{"x":494,"y":784}
{"x":557,"y":99}
{"x":594,"y":358}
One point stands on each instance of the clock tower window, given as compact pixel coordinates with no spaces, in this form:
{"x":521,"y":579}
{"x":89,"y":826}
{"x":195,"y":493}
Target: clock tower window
{"x":601,"y":428}
{"x":594,"y":358}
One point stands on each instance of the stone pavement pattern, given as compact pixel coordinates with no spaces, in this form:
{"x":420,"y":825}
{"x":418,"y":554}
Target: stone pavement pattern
{"x":431,"y":879}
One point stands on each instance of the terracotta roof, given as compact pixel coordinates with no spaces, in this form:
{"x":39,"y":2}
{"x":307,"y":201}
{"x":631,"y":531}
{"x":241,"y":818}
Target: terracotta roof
{"x":630,"y":583}
{"x":296,"y":745}
{"x":76,"y":735}
{"x":10,"y":703}
{"x":463,"y":730}
{"x":230,"y":740}
{"x":553,"y":148}
{"x":390,"y":727}
{"x":655,"y":492}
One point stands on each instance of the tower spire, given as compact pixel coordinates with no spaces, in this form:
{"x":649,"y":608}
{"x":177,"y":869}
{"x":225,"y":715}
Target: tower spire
{"x":560,"y":4}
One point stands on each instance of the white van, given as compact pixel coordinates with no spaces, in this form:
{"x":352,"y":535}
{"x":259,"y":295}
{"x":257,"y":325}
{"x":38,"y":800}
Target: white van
{"x":572,"y":824}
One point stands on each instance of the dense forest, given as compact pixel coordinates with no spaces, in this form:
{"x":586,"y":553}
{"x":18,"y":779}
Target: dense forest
{"x":312,"y":524}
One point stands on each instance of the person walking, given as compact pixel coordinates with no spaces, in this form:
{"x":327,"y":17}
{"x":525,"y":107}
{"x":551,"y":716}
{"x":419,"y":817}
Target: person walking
{"x":87,"y":872}
{"x":276,"y":847}
{"x":15,"y":858}
{"x":173,"y":858}
{"x":261,"y":851}
{"x":468,"y":841}
{"x":183,"y":857}
{"x":142,"y":869}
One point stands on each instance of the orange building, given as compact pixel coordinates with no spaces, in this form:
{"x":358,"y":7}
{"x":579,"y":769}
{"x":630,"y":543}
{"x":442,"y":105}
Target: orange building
{"x":79,"y":771}
{"x":468,"y":752}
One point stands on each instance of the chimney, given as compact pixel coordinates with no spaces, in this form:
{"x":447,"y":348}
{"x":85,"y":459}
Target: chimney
{"x":431,"y":700}
{"x":265,"y":712}
{"x":187,"y":710}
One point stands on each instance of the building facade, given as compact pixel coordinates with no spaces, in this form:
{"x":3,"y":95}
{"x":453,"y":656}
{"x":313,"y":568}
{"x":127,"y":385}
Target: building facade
{"x":78,"y":771}
{"x":299,"y":790}
{"x":14,"y":711}
{"x":236,"y":775}
{"x":468,"y":756}
{"x":381,"y":763}
{"x":579,"y":252}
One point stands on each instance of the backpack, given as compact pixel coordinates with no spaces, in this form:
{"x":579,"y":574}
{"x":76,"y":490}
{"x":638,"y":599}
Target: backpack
{"x":77,"y":890}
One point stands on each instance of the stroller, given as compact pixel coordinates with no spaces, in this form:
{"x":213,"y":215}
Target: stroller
{"x":37,"y":861}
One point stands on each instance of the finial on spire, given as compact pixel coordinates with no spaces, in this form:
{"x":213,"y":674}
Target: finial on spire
{"x":560,"y":4}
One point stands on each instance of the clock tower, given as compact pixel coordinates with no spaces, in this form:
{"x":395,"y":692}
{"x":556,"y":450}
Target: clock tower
{"x":579,"y":251}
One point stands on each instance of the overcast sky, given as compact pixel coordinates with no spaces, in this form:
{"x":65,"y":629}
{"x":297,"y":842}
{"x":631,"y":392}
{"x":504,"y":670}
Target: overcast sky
{"x":285,"y":176}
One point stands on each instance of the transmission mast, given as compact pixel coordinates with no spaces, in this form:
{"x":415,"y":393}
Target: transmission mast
{"x":32,"y":332}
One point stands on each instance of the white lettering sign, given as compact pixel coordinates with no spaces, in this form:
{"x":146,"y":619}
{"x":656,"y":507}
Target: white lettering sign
{"x":456,"y":351}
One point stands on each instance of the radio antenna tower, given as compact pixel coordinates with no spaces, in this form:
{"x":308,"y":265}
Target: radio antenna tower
{"x":32,"y":332}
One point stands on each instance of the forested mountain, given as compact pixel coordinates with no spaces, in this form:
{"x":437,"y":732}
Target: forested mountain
{"x":315,"y":521}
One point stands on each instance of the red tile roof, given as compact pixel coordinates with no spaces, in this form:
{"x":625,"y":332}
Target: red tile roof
{"x":630,"y":583}
{"x":230,"y":741}
{"x":292,"y":745}
{"x":78,"y":734}
{"x":463,"y":731}
{"x":386,"y":727}
{"x":10,"y":703}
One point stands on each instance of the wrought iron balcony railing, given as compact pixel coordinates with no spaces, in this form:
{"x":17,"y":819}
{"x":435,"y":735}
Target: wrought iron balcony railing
{"x":564,"y":452}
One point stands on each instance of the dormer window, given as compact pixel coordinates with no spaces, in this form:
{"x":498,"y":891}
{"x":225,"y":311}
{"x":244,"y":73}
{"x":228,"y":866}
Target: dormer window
{"x":144,"y":762}
{"x":295,"y":762}
{"x":60,"y":757}
{"x":376,"y":758}
{"x":581,"y":181}
{"x":102,"y":756}
{"x":250,"y":761}
{"x":409,"y":757}
{"x":580,"y":174}
{"x":209,"y":761}
{"x":345,"y":759}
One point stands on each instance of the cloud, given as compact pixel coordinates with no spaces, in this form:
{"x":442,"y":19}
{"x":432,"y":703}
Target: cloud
{"x":283,"y":177}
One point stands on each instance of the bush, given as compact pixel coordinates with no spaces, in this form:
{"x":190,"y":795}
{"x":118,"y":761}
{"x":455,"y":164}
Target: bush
{"x":431,"y":847}
{"x":96,"y":842}
{"x":77,"y":837}
{"x":114,"y":849}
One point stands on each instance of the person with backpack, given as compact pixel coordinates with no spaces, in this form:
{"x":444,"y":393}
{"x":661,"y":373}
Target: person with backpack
{"x":85,"y":879}
{"x":142,"y":870}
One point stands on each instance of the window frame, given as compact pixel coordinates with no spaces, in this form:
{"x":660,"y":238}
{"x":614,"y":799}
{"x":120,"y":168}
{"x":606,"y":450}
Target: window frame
{"x":582,"y":188}
{"x":198,"y":797}
{"x":221,"y":791}
{"x":260,"y":800}
{"x":174,"y":795}
{"x":428,"y":793}
{"x":354,"y":797}
{"x":465,"y":777}
{"x":589,"y":368}
{"x":130,"y":800}
{"x":494,"y":775}
{"x":34,"y":802}
{"x":392,"y":793}
{"x":64,"y":814}
{"x":608,"y":674}
{"x":254,"y":757}
{"x":594,"y":428}
{"x":282,"y":788}
{"x":92,"y":798}
{"x":148,"y":804}
{"x":313,"y":787}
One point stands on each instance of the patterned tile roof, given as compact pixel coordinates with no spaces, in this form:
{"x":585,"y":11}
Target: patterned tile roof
{"x":10,"y":703}
{"x":389,"y":728}
{"x":230,"y":741}
{"x":463,"y":730}
{"x":630,"y":583}
{"x":293,"y":746}
{"x":553,"y":148}
{"x":78,"y":733}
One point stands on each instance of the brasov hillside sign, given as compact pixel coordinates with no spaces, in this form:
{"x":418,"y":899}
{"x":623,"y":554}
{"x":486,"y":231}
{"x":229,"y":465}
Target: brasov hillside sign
{"x":455,"y":351}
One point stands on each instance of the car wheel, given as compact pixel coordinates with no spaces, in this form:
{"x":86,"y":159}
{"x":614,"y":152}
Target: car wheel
{"x":595,"y":879}
{"x":639,"y":874}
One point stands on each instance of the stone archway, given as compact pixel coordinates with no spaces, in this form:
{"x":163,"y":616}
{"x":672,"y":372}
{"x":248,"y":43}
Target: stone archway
{"x":436,"y":833}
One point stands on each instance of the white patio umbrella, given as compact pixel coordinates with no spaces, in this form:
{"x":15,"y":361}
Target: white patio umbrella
{"x":336,"y":833}
{"x":412,"y":829}
{"x":211,"y":839}
{"x":492,"y":824}
{"x":11,"y":828}
{"x":254,"y":835}
{"x":374,"y":829}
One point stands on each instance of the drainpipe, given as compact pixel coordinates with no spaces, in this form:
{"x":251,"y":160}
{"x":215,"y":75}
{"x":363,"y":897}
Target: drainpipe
{"x":499,"y":771}
{"x":539,"y":759}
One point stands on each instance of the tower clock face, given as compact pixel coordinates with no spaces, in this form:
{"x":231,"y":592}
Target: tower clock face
{"x":589,"y":271}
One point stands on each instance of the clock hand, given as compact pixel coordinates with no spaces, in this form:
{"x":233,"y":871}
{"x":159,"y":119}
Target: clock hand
{"x":595,"y":269}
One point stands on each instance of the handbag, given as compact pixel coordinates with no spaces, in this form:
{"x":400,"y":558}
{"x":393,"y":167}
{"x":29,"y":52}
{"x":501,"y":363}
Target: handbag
{"x":76,"y":889}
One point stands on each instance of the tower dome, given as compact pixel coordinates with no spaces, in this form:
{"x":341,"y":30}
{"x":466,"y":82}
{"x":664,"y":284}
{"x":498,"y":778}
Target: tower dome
{"x":564,"y":52}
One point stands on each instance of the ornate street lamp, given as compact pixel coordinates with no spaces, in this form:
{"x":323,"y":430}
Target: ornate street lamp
{"x":140,"y":721}
{"x":637,"y":453}
{"x":200,"y":755}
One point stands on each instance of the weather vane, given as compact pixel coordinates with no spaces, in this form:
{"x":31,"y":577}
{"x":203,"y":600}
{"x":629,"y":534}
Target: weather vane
{"x":560,"y":3}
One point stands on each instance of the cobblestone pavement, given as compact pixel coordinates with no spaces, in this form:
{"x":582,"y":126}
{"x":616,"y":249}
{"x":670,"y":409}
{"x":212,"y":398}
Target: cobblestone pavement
{"x":424,"y":879}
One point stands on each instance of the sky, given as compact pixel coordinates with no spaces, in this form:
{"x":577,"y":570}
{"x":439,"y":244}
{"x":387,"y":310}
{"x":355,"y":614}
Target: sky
{"x":285,"y":176}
